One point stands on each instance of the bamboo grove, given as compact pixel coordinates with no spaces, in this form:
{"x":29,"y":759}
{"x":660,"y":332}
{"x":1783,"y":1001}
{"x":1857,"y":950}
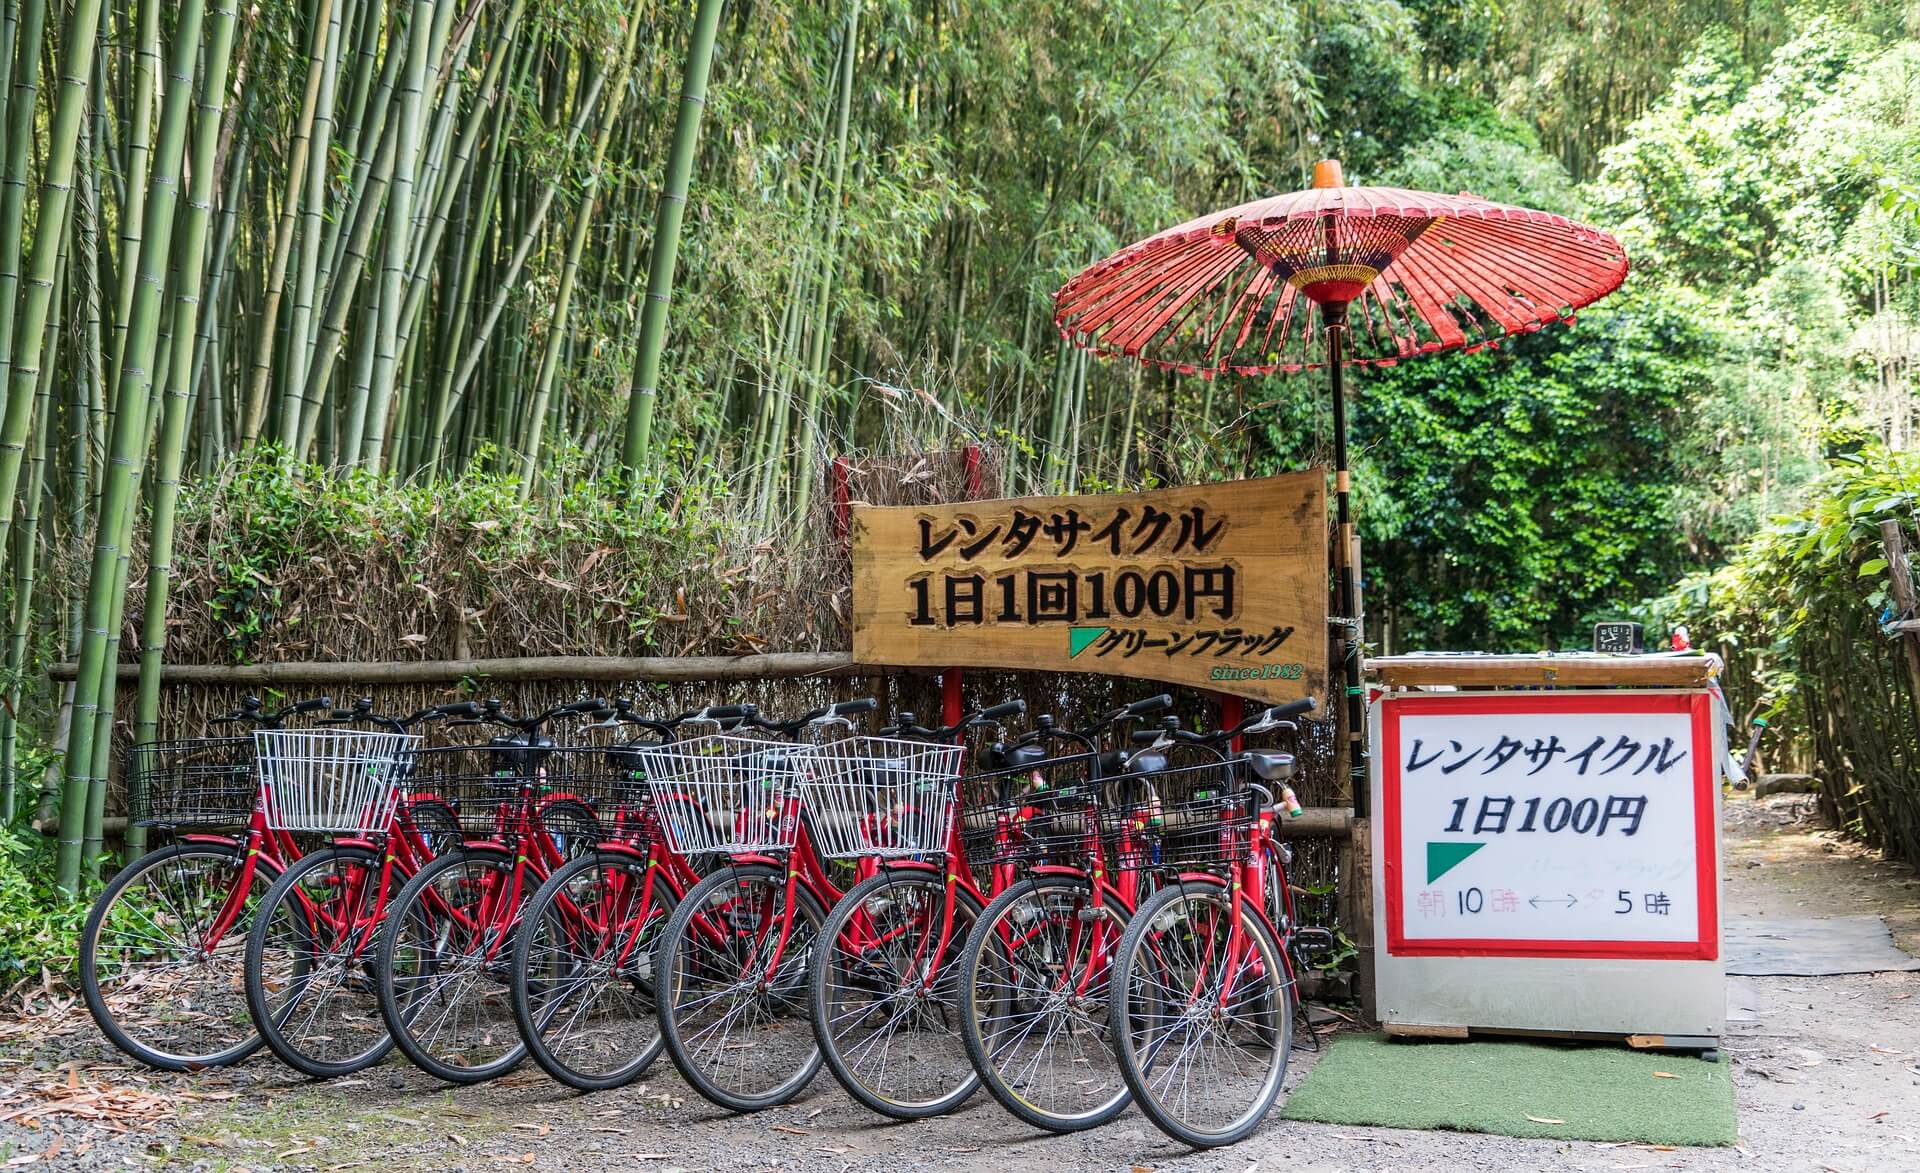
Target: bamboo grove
{"x":568,"y":241}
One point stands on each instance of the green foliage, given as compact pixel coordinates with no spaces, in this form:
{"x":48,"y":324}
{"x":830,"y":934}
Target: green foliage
{"x":1799,"y":615}
{"x":39,"y":925}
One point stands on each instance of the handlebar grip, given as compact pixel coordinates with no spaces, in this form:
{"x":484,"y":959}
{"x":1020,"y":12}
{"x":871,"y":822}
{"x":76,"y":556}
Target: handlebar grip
{"x":1152,"y":704}
{"x":308,"y":706}
{"x":1001,"y":712}
{"x":865,"y":704}
{"x":586,"y":706}
{"x":1291,"y":709}
{"x":1145,"y":736}
{"x":727,"y":712}
{"x":455,"y":709}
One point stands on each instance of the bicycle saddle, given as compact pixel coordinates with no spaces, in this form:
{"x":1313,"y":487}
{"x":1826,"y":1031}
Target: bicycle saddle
{"x":1271,"y":765}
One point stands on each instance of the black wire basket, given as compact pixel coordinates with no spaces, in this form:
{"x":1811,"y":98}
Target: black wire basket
{"x":1188,"y":818}
{"x":594,"y":792}
{"x":193,"y":783}
{"x":1040,"y":812}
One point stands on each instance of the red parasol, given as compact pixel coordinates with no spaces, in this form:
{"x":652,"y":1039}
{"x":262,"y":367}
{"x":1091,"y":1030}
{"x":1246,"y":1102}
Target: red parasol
{"x":1396,"y":274}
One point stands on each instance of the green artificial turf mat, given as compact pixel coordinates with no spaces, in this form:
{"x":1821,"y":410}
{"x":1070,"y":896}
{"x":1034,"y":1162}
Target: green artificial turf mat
{"x":1515,"y":1088}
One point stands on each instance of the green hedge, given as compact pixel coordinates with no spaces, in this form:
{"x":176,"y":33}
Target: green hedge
{"x":1801,"y":615}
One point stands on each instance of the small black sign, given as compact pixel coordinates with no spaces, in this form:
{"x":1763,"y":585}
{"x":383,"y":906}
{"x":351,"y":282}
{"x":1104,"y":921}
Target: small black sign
{"x":1621,"y":639}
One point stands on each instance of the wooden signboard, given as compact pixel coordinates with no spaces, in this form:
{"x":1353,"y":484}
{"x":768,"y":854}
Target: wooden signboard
{"x":1220,"y":586}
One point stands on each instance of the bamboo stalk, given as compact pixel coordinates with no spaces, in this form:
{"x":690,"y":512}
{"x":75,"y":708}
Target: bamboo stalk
{"x":23,"y":93}
{"x":256,"y":408}
{"x":398,"y":237}
{"x":84,"y":797}
{"x":173,"y":429}
{"x":666,"y":235}
{"x":63,"y":136}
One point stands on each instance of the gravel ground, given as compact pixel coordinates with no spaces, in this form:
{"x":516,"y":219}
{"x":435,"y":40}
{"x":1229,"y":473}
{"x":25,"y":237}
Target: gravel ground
{"x":1827,"y":1078}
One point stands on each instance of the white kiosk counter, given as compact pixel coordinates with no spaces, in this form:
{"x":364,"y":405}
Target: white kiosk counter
{"x":1547,"y":847}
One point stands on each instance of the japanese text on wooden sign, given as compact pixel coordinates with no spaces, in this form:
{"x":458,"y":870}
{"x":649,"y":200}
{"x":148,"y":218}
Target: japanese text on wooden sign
{"x":1222,"y":586}
{"x":1549,"y":824}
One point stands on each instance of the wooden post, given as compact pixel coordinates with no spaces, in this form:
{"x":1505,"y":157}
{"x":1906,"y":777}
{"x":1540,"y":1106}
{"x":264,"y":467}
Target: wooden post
{"x":1901,"y":573}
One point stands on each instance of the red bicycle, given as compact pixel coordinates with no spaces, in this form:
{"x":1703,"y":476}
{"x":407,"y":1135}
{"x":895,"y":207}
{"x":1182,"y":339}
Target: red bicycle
{"x":734,"y":957}
{"x":309,"y":965}
{"x":1034,"y":975}
{"x":885,"y":985}
{"x":1204,"y":987}
{"x":583,"y":965}
{"x":162,"y":951}
{"x":443,"y":971}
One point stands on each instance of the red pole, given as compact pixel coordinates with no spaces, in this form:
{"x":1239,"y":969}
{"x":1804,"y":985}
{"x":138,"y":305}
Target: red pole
{"x":837,"y":478}
{"x":1232,"y":709}
{"x":951,"y":710}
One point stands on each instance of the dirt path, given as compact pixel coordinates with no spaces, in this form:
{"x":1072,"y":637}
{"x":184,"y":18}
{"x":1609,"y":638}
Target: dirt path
{"x":1828,"y":1078}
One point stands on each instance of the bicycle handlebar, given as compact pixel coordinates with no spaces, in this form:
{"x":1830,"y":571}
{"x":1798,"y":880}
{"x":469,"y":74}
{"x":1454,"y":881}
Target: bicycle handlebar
{"x":838,"y":712}
{"x":251,"y":711}
{"x":1262,"y":721}
{"x":992,"y":715}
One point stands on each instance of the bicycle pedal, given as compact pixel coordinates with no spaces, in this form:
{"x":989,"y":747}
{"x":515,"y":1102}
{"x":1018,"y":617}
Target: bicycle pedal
{"x":1311,"y":941}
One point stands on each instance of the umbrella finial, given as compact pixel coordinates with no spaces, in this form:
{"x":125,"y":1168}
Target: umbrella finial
{"x":1326,"y":173}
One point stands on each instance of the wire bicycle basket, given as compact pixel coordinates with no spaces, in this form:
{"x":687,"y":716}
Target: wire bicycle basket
{"x":1034,"y":813}
{"x":722,"y":793}
{"x":877,"y":796}
{"x":1188,"y":818}
{"x":331,"y":781}
{"x":192,"y":782}
{"x":571,"y":789}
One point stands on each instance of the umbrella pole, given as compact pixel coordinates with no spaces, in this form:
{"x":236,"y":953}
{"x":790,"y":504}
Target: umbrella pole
{"x":1334,"y":314}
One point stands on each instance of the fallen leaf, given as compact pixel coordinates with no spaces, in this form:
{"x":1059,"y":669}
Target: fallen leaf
{"x":789,"y":1129}
{"x":1545,"y":1119}
{"x":1878,"y":1116}
{"x":456,"y":1138}
{"x":1665,"y":1075}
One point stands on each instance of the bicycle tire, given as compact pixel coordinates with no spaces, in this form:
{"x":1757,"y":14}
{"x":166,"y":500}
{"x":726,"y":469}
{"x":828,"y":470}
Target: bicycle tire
{"x":829,"y":959}
{"x":534,"y":1032}
{"x":675,"y":960}
{"x":401,"y":1007}
{"x":1175,"y":1115}
{"x":291,"y":1046}
{"x":122,"y":1035}
{"x":992,"y":1055}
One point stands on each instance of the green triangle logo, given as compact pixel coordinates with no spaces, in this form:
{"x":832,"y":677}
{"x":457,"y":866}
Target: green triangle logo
{"x":1078,"y":638}
{"x":1444,"y":857}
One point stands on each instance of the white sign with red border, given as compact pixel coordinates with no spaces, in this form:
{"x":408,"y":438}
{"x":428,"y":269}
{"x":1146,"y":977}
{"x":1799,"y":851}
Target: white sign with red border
{"x":1573,"y":825}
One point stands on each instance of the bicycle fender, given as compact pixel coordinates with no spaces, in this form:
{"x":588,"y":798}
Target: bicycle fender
{"x":765,"y":860}
{"x":1206,"y":878}
{"x":490,"y":846}
{"x":913,"y":865}
{"x":211,"y":840}
{"x":626,"y":849}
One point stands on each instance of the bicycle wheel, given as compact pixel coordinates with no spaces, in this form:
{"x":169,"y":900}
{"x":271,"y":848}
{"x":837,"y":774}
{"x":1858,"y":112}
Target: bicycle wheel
{"x":310,"y":984}
{"x":890,"y":1036}
{"x":159,"y":975}
{"x":1206,"y":1054}
{"x":734,"y":1011}
{"x":1034,"y":1005}
{"x":583,"y":970}
{"x":446,"y":951}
